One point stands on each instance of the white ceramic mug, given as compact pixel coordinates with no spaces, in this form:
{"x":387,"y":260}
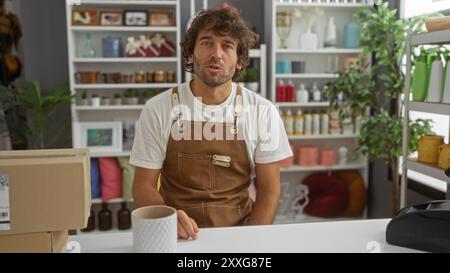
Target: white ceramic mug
{"x":154,"y":229}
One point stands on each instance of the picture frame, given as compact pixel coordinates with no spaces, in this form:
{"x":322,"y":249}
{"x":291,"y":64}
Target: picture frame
{"x":161,"y":18}
{"x":99,"y":136}
{"x":128,"y":132}
{"x":84,"y":17}
{"x":111,"y":18}
{"x":135,"y":18}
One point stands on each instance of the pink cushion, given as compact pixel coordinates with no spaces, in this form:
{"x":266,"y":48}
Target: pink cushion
{"x":111,"y":175}
{"x":328,"y":195}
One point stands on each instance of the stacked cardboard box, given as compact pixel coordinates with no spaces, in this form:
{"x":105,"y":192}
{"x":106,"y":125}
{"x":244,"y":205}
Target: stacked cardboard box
{"x":43,"y":194}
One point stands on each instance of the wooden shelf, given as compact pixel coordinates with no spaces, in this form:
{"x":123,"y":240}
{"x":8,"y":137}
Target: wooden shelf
{"x":330,"y":136}
{"x":115,"y":200}
{"x":123,"y":3}
{"x":126,"y":60}
{"x":307,"y":76}
{"x":307,"y":104}
{"x":124,"y":86}
{"x":110,"y":154}
{"x":351,"y":166}
{"x":431,"y":38}
{"x":427,"y":169}
{"x":318,"y":51}
{"x":321,"y":5}
{"x":109,"y":107}
{"x":428,"y":107}
{"x":123,"y":28}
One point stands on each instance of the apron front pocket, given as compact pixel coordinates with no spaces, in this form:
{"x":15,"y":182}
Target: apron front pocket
{"x":195,"y":171}
{"x":222,"y":215}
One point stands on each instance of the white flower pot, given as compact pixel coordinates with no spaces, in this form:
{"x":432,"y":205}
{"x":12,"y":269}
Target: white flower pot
{"x":131,"y":101}
{"x":308,"y":40}
{"x":95,"y":102}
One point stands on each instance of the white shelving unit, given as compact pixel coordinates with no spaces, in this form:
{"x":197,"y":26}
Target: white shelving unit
{"x":124,"y":65}
{"x":316,"y":70}
{"x":431,"y":38}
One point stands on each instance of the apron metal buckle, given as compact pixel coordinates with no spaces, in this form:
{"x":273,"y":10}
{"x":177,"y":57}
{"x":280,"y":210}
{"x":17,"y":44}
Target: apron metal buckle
{"x":220,"y":163}
{"x":234,"y":129}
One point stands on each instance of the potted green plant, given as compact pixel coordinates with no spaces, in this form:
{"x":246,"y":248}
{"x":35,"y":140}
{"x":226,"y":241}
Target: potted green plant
{"x":383,"y":35}
{"x":95,"y":100}
{"x":352,"y":93}
{"x":117,"y":99}
{"x":131,"y":97}
{"x":83,"y":101}
{"x":105,"y":100}
{"x":39,"y":109}
{"x":252,"y":79}
{"x":147,"y":94}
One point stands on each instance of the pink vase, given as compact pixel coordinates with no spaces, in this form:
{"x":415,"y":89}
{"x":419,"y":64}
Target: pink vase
{"x":327,"y":157}
{"x":308,"y":156}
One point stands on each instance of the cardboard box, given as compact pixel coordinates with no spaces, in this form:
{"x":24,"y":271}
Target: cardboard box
{"x":42,"y":242}
{"x":48,"y":190}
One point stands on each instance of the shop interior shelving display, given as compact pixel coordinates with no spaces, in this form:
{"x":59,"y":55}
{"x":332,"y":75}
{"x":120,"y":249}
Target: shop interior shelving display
{"x":430,"y":170}
{"x":321,"y":67}
{"x":125,"y":113}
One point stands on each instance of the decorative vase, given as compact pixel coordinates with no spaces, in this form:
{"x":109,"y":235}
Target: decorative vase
{"x":330,"y":33}
{"x":435,"y":82}
{"x":419,"y":85}
{"x":308,"y":40}
{"x":446,"y":90}
{"x":112,"y":47}
{"x":351,"y":35}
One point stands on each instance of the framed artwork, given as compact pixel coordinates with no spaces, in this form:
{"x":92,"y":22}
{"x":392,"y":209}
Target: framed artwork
{"x":135,"y":18}
{"x":84,"y":18}
{"x":99,"y":136}
{"x":161,"y":18}
{"x":128,"y":133}
{"x":111,"y":18}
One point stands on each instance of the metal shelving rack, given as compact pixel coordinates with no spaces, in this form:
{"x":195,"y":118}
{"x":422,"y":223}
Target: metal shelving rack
{"x":430,"y":38}
{"x":124,"y":64}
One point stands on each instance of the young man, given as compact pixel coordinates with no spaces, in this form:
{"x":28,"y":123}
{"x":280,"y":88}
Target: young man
{"x":208,"y":138}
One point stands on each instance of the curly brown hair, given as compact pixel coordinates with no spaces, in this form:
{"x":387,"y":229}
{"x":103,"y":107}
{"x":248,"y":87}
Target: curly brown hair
{"x":222,"y":21}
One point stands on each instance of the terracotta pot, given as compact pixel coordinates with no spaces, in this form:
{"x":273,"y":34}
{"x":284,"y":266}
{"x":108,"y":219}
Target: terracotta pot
{"x":87,"y":77}
{"x":111,"y":77}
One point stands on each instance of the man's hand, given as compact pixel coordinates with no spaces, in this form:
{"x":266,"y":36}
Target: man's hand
{"x":186,"y":226}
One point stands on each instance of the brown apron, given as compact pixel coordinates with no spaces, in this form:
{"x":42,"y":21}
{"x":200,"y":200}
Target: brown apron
{"x":207,"y":178}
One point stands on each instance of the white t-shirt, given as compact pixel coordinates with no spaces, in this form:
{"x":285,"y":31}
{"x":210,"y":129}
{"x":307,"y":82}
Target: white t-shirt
{"x":259,"y":116}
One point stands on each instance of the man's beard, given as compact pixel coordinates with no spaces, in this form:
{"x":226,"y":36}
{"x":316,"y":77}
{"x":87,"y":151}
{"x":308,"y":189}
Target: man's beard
{"x":219,"y":79}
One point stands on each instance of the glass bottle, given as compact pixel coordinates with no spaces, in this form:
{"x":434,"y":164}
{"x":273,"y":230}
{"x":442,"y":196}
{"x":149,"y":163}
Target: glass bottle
{"x":104,"y":218}
{"x":124,"y":217}
{"x":88,"y":47}
{"x":91,"y":222}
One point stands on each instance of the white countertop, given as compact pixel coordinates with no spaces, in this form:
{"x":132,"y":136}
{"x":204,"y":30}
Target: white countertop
{"x":342,"y":236}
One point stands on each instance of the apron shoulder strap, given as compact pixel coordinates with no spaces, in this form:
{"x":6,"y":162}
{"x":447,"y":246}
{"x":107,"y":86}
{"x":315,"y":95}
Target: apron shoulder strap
{"x":238,"y":103}
{"x":176,"y":103}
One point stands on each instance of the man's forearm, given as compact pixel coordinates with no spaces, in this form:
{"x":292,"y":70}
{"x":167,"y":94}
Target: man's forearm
{"x":265,"y":208}
{"x":146,"y":195}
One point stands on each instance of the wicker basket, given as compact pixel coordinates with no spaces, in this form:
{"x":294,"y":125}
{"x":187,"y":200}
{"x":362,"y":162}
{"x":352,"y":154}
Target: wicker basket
{"x":429,"y":148}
